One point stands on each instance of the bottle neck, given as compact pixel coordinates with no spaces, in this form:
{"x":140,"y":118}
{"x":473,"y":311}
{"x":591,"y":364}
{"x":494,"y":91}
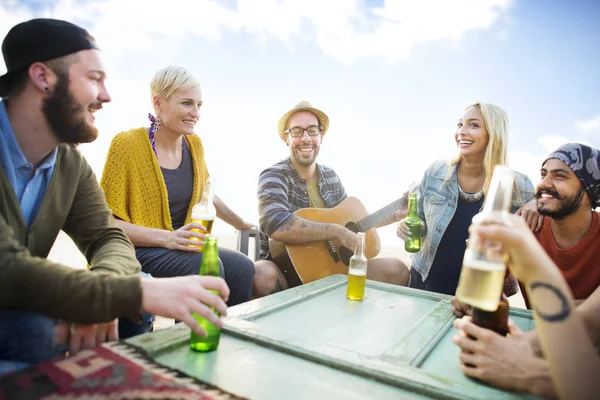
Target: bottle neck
{"x":360,"y":245}
{"x":499,"y":196}
{"x":210,"y":259}
{"x":412,"y":205}
{"x":208,"y":194}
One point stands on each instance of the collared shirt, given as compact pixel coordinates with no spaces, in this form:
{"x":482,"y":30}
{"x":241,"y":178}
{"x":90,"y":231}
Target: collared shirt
{"x":29,"y":183}
{"x":282,"y":191}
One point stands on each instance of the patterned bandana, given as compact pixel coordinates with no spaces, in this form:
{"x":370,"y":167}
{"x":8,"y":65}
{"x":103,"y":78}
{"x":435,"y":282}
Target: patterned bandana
{"x":584,"y":161}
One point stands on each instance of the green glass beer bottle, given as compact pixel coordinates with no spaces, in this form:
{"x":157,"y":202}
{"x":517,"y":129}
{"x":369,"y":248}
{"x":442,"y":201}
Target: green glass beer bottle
{"x":413,"y":223}
{"x":209,"y":267}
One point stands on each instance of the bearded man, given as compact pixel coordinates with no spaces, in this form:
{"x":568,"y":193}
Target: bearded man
{"x":567,"y":194}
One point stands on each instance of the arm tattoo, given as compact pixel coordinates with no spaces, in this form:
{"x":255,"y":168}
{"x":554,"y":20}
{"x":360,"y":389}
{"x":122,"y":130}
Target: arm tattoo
{"x":288,"y":225}
{"x":556,"y":316}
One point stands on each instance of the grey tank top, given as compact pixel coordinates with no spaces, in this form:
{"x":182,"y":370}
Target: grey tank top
{"x":180,"y":182}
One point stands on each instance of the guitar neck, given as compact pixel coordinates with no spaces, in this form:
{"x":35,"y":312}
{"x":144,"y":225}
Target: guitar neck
{"x":378,"y":217}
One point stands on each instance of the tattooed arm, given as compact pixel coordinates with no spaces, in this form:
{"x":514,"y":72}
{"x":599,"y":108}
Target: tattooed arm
{"x":277,"y":220}
{"x":572,"y":358}
{"x":589,"y":310}
{"x":300,"y":230}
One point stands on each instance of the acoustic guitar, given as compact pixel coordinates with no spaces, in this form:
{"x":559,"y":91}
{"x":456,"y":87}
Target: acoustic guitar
{"x":303,"y":263}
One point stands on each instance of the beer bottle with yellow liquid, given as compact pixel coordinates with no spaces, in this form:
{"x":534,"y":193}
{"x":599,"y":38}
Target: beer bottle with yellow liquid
{"x":209,"y":267}
{"x":204,"y":212}
{"x":484,"y":264}
{"x":413,"y":223}
{"x":357,"y":271}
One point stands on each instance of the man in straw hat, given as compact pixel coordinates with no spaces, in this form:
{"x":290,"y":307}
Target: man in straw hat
{"x":567,"y":195}
{"x":54,"y":85}
{"x":299,"y":182}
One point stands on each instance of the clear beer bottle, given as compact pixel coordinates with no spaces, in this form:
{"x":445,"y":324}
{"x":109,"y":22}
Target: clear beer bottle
{"x":357,"y":271}
{"x":484,"y":265}
{"x":204,"y":212}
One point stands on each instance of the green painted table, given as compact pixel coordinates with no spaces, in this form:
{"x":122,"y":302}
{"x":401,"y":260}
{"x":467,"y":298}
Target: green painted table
{"x":311,"y":342}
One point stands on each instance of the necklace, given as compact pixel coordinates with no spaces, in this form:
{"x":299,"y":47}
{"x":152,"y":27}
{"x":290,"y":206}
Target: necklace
{"x":469,"y":197}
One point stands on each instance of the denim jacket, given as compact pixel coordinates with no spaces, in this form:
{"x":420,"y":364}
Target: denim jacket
{"x":437,"y":201}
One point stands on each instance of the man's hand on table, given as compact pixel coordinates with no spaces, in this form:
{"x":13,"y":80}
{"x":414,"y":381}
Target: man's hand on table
{"x":460,"y":309}
{"x":509,"y":363}
{"x":80,"y":337}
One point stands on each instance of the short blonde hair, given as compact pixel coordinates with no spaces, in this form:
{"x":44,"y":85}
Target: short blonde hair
{"x":496,"y":124}
{"x":169,"y":80}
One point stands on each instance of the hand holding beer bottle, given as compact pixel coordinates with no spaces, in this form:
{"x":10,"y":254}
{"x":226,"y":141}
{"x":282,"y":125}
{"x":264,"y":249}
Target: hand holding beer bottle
{"x":412,"y":244}
{"x":357,"y":271}
{"x":410,"y":228}
{"x":204,"y":213}
{"x":484,"y":265}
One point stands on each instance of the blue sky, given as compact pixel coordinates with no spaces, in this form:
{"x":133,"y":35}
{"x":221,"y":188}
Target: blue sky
{"x":393,"y":76}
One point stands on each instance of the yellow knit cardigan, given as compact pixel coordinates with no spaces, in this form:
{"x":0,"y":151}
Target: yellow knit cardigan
{"x":133,"y":183}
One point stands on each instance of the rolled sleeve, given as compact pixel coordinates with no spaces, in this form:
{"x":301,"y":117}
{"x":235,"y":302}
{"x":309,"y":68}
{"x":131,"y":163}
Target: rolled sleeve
{"x":273,"y":202}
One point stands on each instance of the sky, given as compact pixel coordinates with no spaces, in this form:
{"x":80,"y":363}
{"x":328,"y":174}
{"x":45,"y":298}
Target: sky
{"x":393,"y":76}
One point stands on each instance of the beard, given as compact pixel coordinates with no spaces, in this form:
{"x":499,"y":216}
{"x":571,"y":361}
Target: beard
{"x":67,"y":117}
{"x":297,"y":154}
{"x":567,"y":205}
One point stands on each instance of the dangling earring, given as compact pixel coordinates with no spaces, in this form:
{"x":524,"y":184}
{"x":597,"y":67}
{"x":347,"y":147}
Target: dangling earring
{"x":155,"y":122}
{"x":158,"y":124}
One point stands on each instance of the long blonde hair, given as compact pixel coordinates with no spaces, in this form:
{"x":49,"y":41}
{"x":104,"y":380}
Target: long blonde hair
{"x":496,"y":124}
{"x":169,"y":80}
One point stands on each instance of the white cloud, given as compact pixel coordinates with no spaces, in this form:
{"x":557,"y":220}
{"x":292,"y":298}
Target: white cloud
{"x":590,"y":126}
{"x":344,"y":29}
{"x":550,"y":143}
{"x":138,"y":37}
{"x":527,"y":163}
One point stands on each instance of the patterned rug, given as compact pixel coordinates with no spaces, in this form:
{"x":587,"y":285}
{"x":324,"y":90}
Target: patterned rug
{"x":111,"y":371}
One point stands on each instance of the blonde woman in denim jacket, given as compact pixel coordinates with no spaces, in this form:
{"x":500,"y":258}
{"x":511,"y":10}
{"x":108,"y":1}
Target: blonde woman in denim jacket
{"x":452,"y":192}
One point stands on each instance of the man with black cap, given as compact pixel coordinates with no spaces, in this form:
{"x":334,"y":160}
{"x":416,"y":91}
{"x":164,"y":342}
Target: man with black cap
{"x":567,"y":195}
{"x":54,"y":84}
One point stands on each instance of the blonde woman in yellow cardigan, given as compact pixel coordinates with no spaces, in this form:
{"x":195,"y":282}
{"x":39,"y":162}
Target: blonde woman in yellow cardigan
{"x":154,"y":176}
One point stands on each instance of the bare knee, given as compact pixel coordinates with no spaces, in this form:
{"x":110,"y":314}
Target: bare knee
{"x":267,"y":279}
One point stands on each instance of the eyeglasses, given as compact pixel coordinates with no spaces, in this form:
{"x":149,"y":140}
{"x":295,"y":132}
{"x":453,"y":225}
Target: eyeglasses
{"x":297,"y":132}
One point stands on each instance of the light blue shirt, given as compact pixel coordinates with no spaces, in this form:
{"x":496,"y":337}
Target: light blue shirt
{"x":29,"y":185}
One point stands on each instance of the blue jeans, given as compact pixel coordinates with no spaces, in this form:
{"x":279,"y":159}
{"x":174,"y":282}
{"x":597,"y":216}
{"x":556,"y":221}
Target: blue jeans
{"x":28,"y":338}
{"x":129,"y":328}
{"x":235,"y":268}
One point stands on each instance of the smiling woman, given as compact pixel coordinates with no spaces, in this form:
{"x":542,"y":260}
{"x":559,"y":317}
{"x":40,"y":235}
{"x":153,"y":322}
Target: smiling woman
{"x":154,"y":176}
{"x":452,"y":192}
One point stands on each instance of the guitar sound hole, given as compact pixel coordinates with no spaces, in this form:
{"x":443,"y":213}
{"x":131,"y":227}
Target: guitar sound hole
{"x":345,"y":255}
{"x":353,"y":226}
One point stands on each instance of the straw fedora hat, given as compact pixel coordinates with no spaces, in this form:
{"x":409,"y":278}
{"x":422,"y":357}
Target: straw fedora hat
{"x":302,"y":106}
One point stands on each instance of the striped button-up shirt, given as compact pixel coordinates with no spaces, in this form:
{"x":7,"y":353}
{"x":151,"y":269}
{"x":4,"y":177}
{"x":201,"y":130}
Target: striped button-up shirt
{"x":282,"y":191}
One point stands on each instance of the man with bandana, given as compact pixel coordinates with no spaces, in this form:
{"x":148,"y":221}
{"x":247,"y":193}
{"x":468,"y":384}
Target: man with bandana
{"x":54,"y":85}
{"x":567,"y":195}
